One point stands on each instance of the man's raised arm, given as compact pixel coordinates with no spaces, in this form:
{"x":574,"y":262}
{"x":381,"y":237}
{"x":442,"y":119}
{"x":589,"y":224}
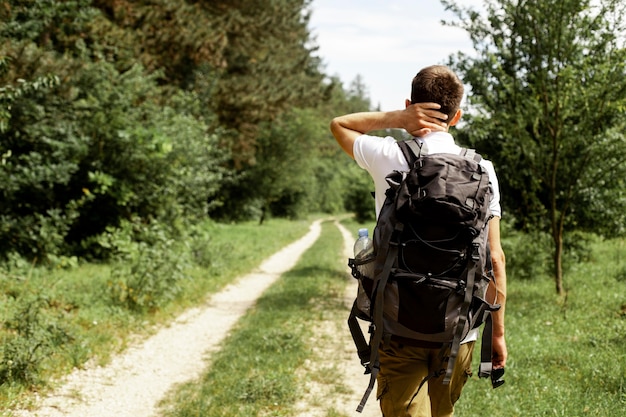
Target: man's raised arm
{"x":417,"y":119}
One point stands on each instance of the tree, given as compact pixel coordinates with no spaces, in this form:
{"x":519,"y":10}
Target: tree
{"x":86,"y":143}
{"x":269,"y":68}
{"x":174,"y":37}
{"x":547,"y":104}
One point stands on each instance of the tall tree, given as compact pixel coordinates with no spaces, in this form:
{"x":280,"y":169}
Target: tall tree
{"x":269,"y":67}
{"x":171,"y":36}
{"x":548,"y":101}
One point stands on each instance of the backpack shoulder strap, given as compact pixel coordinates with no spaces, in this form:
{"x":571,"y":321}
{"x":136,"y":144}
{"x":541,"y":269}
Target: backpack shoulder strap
{"x":412,"y":150}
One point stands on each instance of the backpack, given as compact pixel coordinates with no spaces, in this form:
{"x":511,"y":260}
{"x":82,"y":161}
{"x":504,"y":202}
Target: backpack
{"x":424,"y":282}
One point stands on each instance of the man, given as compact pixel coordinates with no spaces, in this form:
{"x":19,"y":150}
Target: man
{"x":436,"y":95}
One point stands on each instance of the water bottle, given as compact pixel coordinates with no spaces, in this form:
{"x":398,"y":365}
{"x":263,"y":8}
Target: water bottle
{"x":362,"y":244}
{"x":364,"y":256}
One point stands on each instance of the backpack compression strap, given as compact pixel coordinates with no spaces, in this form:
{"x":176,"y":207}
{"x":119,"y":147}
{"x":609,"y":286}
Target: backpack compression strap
{"x":362,"y":347}
{"x":469,"y":288}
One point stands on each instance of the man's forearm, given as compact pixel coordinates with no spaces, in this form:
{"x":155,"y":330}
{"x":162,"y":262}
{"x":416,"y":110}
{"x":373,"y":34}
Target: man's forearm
{"x":498,"y":316}
{"x":350,"y":126}
{"x":497,"y":294}
{"x":369,"y":121}
{"x":417,"y":119}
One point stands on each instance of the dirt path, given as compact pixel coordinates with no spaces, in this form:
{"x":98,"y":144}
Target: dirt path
{"x":334,"y":342}
{"x":135,"y":381}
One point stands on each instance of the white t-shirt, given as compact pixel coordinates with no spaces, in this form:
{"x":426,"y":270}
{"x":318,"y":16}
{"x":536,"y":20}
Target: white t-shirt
{"x":381,"y":156}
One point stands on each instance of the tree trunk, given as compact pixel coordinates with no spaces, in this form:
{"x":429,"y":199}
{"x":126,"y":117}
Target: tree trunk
{"x":558,"y":262}
{"x":263,"y":212}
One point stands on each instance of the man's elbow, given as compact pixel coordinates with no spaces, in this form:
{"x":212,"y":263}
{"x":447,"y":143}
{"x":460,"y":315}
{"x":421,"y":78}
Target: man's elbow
{"x":344,"y":136}
{"x":335,"y":127}
{"x":498,"y":259}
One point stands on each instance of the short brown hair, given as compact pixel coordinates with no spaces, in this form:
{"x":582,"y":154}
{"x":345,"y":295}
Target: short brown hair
{"x":438,"y":84}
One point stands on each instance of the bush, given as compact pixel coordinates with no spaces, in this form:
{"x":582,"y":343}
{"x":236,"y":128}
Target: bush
{"x":149,"y":266}
{"x":528,"y":255}
{"x":358,"y":195}
{"x":33,"y":337}
{"x":99,"y":148}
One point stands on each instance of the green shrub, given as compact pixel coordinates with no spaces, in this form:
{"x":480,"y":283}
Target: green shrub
{"x":149,"y":267}
{"x":100,"y":147}
{"x":528,"y":255}
{"x":33,"y":337}
{"x":358,"y":197}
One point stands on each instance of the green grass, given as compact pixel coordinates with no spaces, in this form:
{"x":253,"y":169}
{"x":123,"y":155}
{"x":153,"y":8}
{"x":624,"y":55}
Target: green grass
{"x":255,"y":372}
{"x":72,"y":318}
{"x":567,"y":356}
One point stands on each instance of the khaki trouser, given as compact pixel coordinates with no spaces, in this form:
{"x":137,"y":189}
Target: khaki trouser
{"x":403,"y":368}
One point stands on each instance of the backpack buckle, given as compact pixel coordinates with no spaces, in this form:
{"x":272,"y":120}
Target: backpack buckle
{"x":475,"y":252}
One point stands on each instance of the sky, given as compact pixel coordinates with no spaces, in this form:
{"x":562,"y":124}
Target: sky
{"x":386,"y":42}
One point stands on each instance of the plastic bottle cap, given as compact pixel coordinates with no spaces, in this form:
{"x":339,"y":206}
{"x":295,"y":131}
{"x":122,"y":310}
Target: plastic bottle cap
{"x":363,"y":232}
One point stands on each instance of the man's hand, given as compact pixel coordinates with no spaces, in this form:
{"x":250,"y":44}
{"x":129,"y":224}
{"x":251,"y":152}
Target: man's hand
{"x":417,"y":119}
{"x":498,"y":360}
{"x":500,"y":353}
{"x":423,"y":118}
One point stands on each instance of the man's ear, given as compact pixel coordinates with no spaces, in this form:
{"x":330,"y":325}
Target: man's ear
{"x":407,"y":102}
{"x":456,"y":118}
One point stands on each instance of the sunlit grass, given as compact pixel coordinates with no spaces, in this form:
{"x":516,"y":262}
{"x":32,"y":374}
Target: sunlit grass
{"x":567,"y":355}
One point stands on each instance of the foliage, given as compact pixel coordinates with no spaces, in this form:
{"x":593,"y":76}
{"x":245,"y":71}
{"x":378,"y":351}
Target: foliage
{"x":149,"y":161}
{"x":281,"y":179}
{"x":33,"y":337}
{"x":68,"y":178}
{"x":269,"y":68}
{"x":546,"y":104}
{"x":358,"y":194}
{"x":54,"y":24}
{"x":342,"y":185}
{"x":113,"y":110}
{"x":298,"y":167}
{"x":9,"y":94}
{"x":527,"y":254}
{"x":174,"y":36}
{"x":249,"y":61}
{"x":149,"y":267}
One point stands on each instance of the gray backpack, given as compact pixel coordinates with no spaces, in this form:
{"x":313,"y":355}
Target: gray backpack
{"x":424,"y":283}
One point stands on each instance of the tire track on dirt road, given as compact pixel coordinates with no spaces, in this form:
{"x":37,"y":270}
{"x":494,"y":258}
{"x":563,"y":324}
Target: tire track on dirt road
{"x":353,"y":371}
{"x":335,"y":354}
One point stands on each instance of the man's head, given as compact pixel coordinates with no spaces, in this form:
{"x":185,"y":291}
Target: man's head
{"x":438,"y":84}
